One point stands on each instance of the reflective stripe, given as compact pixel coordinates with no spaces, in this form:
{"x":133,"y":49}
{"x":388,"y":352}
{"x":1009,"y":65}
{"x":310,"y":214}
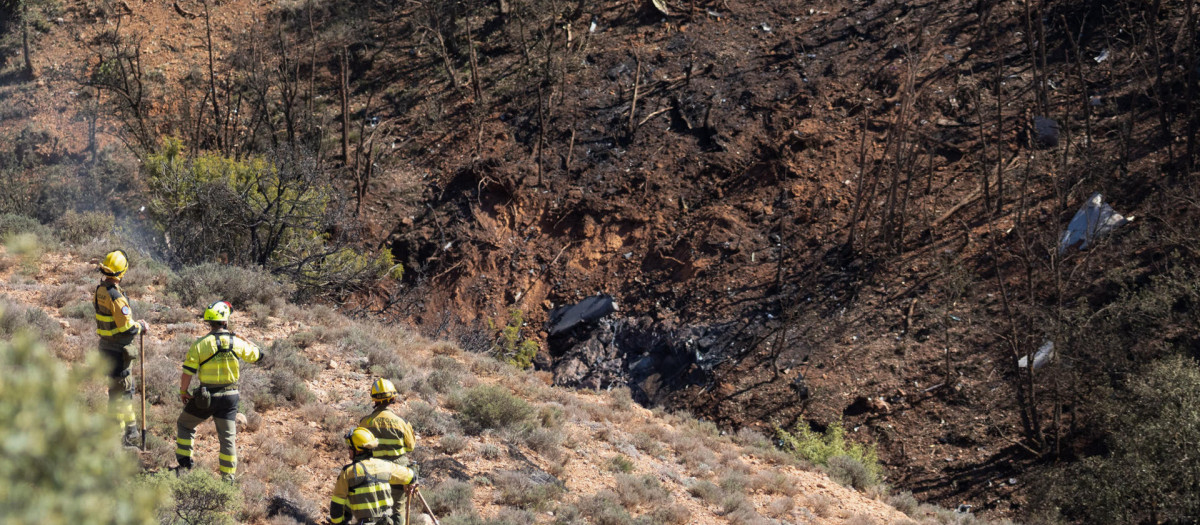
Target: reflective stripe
{"x":339,"y":501}
{"x":371,"y":505}
{"x":388,"y":441}
{"x":108,"y":333}
{"x":231,"y":459}
{"x":379,"y":452}
{"x":228,"y":470}
{"x":187,"y":442}
{"x":369,"y":489}
{"x":105,"y":318}
{"x":338,"y":519}
{"x":183,"y":452}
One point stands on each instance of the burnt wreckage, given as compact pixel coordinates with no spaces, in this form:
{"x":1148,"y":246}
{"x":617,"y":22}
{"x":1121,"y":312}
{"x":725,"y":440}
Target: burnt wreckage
{"x":591,"y":348}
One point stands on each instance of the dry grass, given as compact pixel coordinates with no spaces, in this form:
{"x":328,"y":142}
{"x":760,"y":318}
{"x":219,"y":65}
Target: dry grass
{"x":820,"y":504}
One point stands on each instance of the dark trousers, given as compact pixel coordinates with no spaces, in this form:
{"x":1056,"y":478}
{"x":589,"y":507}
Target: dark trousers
{"x":223,"y":410}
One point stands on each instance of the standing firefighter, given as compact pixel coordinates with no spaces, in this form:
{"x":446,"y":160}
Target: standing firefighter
{"x":118,"y":331}
{"x":395,"y":435}
{"x":215,"y":358}
{"x":364,"y":489}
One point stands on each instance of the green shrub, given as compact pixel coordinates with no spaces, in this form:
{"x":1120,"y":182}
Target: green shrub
{"x":13,"y":224}
{"x":519,"y":490}
{"x":425,"y":419}
{"x":198,"y":497}
{"x":510,"y":347}
{"x":452,"y":444}
{"x":62,"y":459}
{"x":850,"y":472}
{"x":451,"y":496}
{"x":639,"y":491}
{"x":604,"y":509}
{"x":706,"y":490}
{"x":15,"y":318}
{"x":78,"y":310}
{"x":819,"y":448}
{"x":80,"y":228}
{"x":287,"y":357}
{"x":198,"y":286}
{"x":27,"y":248}
{"x":1151,"y":471}
{"x":491,"y":407}
{"x":905,"y":502}
{"x":621,"y":463}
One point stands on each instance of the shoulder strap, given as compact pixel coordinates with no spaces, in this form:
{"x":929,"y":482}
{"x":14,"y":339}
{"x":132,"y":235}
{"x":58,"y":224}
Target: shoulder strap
{"x":221,"y":348}
{"x":114,"y":292}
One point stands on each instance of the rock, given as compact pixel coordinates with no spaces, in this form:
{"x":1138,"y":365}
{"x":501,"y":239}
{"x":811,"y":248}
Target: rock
{"x":241,"y":419}
{"x":333,"y":364}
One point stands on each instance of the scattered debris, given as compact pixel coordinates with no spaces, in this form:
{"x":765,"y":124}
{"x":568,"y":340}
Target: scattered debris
{"x":1041,"y":358}
{"x":1101,"y":57}
{"x":661,"y":6}
{"x":586,"y":311}
{"x":1094,"y":219}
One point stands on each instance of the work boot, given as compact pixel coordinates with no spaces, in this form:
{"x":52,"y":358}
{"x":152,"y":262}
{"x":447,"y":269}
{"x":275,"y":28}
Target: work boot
{"x":131,"y":438}
{"x":179,"y":470}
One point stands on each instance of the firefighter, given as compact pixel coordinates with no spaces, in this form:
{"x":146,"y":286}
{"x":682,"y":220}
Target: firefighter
{"x":395,"y":435}
{"x":118,"y":331}
{"x":215,"y":358}
{"x":365,"y":488}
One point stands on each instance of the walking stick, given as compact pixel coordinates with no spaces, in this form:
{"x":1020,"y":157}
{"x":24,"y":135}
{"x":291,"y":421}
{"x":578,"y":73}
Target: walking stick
{"x":427,"y":509}
{"x":408,"y":504}
{"x":142,"y":372}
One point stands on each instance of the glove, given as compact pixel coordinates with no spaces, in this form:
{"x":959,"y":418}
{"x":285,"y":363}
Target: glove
{"x":145,"y":326}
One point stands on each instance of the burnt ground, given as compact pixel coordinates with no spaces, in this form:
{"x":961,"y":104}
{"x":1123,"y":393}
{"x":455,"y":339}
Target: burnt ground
{"x":805,"y":211}
{"x":747,"y":224}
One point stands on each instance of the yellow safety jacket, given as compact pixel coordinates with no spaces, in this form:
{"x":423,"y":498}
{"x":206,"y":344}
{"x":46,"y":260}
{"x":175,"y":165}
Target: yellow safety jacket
{"x":364,"y":489}
{"x":214,"y":357}
{"x":395,"y":435}
{"x":114,"y":319}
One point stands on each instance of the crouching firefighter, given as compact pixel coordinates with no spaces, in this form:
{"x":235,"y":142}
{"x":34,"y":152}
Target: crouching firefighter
{"x":395,"y":435}
{"x":365,"y":490}
{"x":118,"y":333}
{"x":215,"y":359}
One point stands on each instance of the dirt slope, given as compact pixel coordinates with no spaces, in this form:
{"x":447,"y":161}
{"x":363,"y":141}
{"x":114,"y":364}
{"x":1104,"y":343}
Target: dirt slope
{"x":294,"y":452}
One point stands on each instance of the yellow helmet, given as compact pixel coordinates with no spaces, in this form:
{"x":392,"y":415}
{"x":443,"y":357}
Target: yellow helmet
{"x":218,"y":311}
{"x":114,"y":264}
{"x":361,"y":439}
{"x":383,"y":390}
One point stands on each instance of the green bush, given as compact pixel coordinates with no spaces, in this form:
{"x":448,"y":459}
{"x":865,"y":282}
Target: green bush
{"x":62,"y":459}
{"x":819,"y":448}
{"x":80,"y":228}
{"x":452,"y":444}
{"x":27,"y":248}
{"x":14,"y":224}
{"x":287,"y":357}
{"x":519,"y":490}
{"x":491,"y":407}
{"x":198,"y":497}
{"x":510,"y":346}
{"x":425,"y":419}
{"x":1151,"y":471}
{"x":850,"y":472}
{"x":639,"y":491}
{"x":621,"y":463}
{"x":450,"y":496}
{"x":15,"y":318}
{"x":198,"y":286}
